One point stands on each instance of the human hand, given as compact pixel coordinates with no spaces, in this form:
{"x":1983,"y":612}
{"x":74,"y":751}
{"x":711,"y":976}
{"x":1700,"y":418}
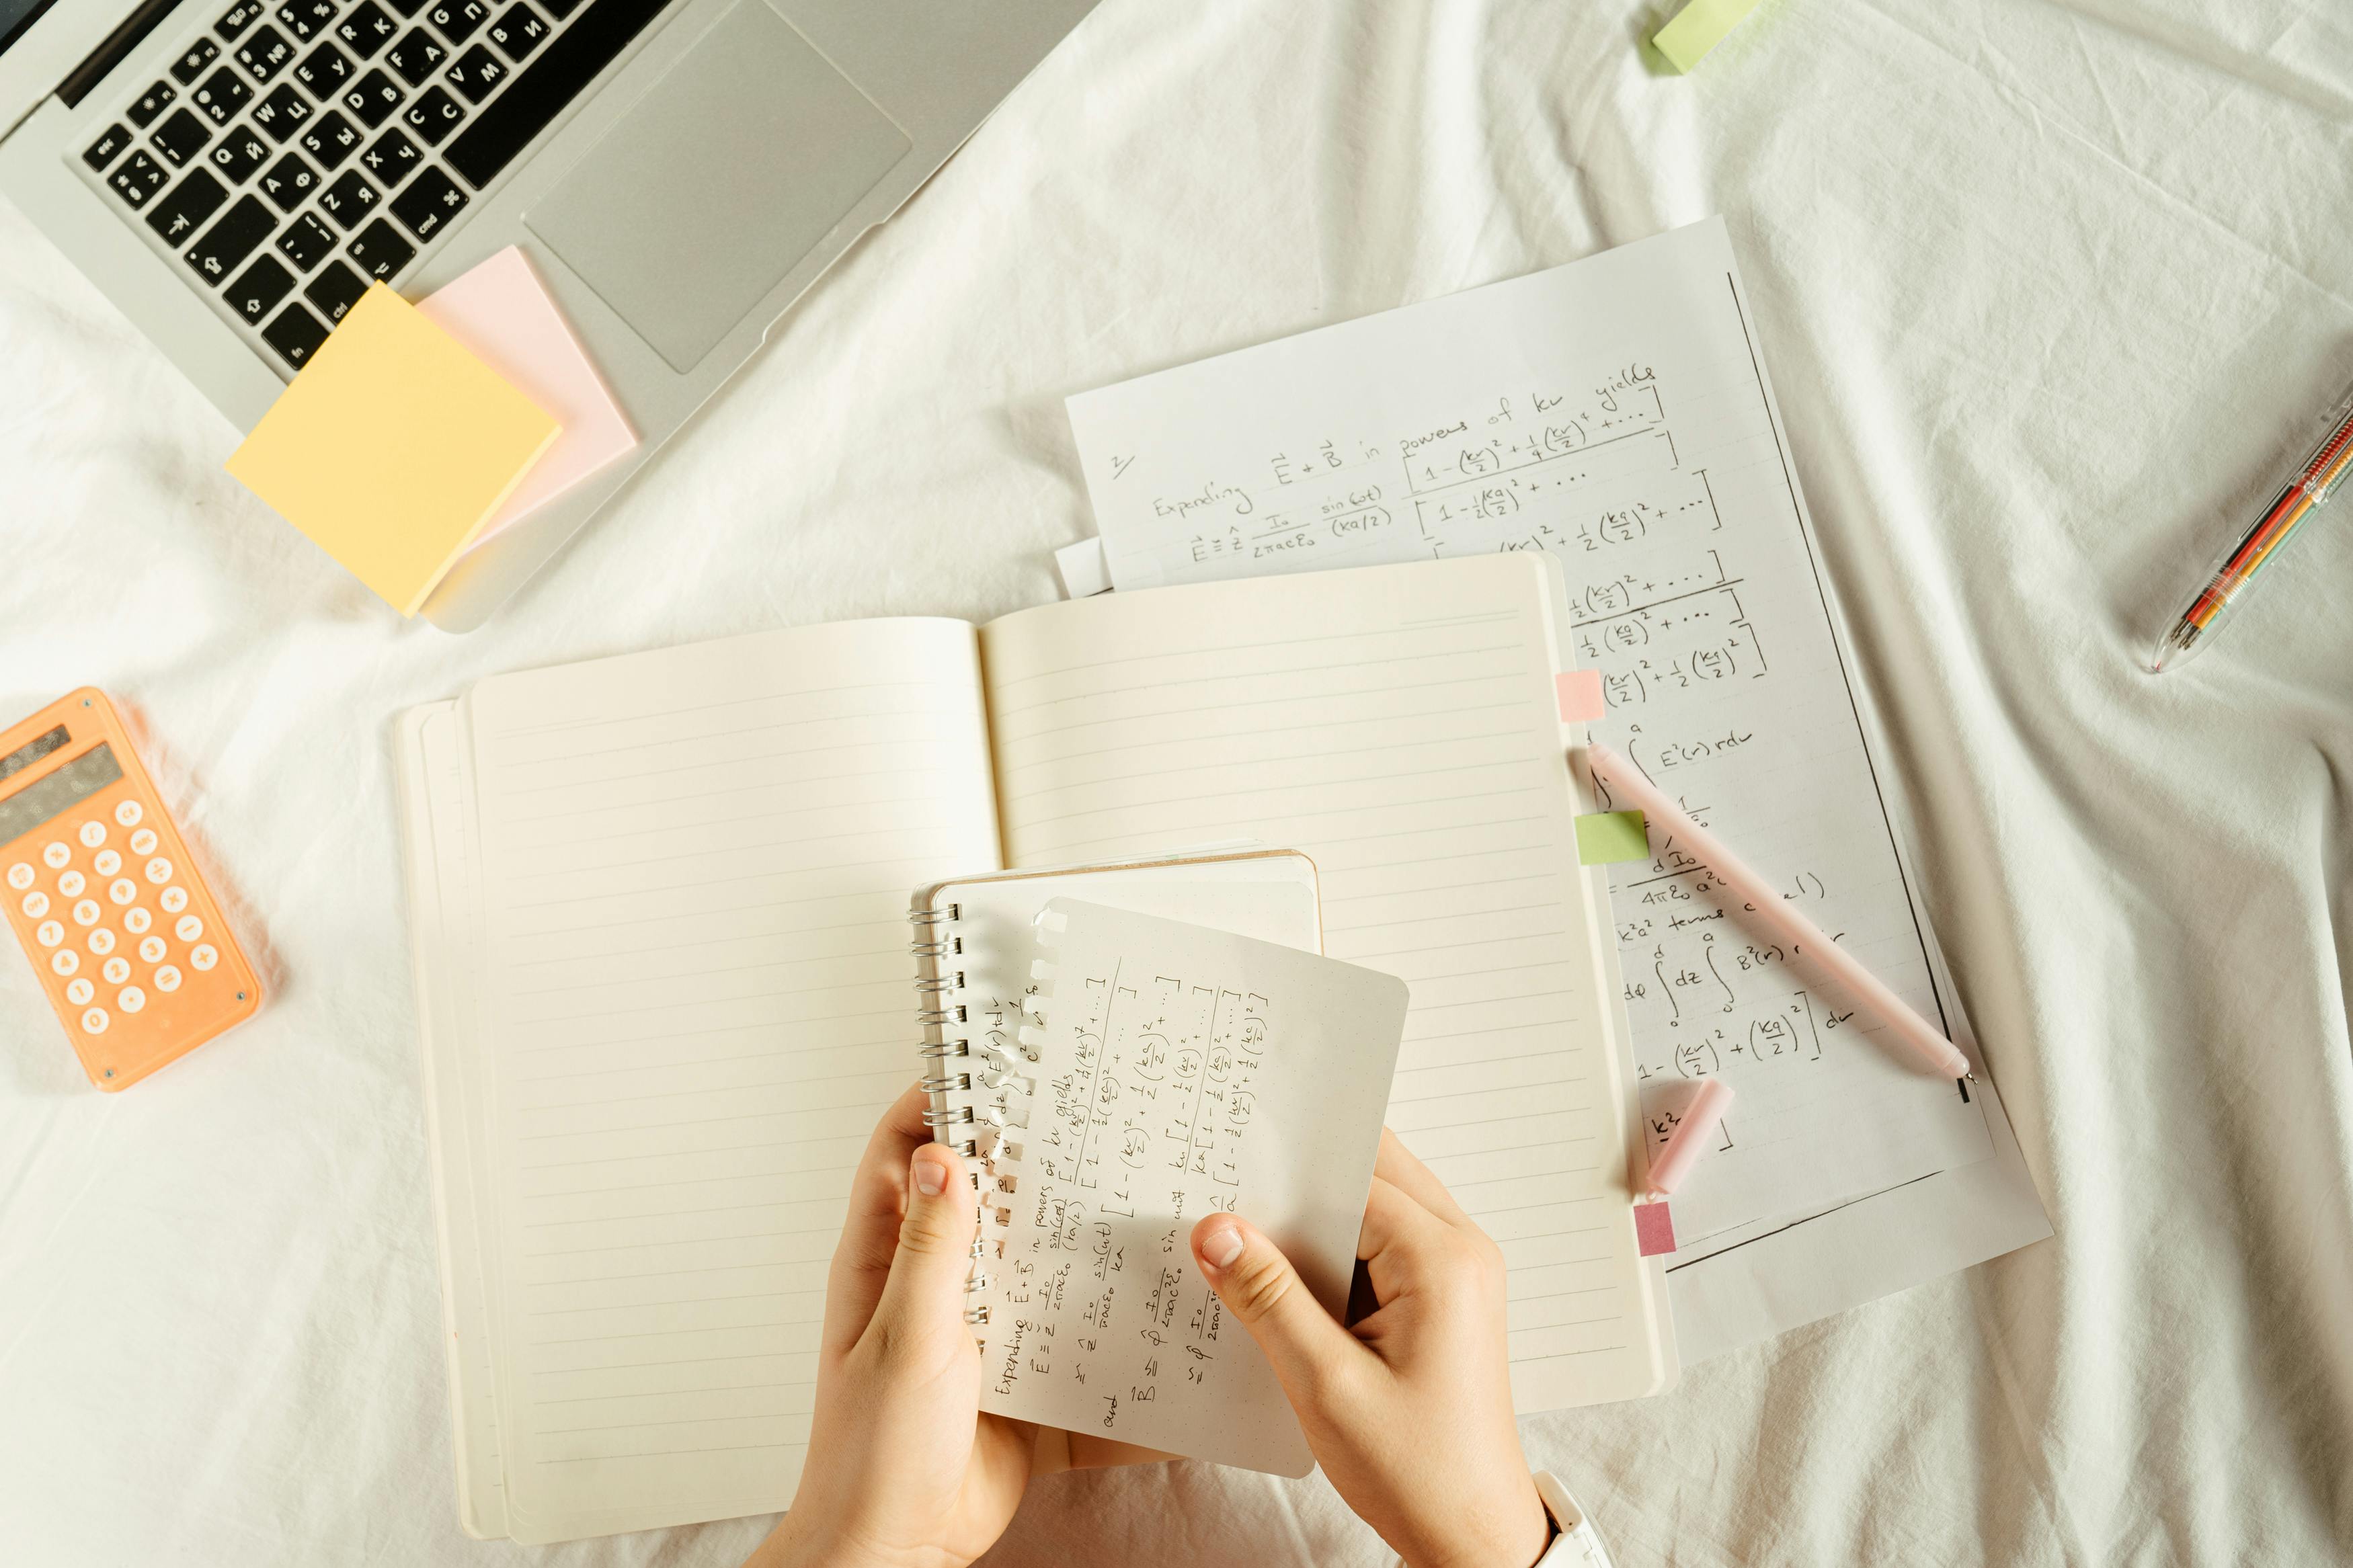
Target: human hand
{"x":902,"y":1470}
{"x":1409,"y":1410}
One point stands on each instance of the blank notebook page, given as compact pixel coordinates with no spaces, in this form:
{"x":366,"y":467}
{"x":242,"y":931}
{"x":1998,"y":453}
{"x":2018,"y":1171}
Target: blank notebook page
{"x":695,"y":1005}
{"x":1399,"y":725}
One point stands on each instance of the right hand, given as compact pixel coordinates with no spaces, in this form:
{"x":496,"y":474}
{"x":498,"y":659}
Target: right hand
{"x":1409,"y":1410}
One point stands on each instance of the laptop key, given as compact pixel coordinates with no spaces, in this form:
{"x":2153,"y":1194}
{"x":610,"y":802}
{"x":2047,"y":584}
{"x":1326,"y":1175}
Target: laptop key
{"x":240,"y":152}
{"x":476,"y":74}
{"x":289,"y":182}
{"x":405,"y":7}
{"x":519,"y":31}
{"x":331,"y":140}
{"x":366,"y":29}
{"x":152,"y":103}
{"x":258,"y":289}
{"x":191,"y":65}
{"x":104,"y":150}
{"x":187,"y":205}
{"x":283,"y":112}
{"x":222,"y":96}
{"x":426,"y":208}
{"x":296,"y":334}
{"x":511,"y":122}
{"x":373,"y":98}
{"x":264,"y":53}
{"x":457,"y":18}
{"x":390,"y":157}
{"x":380,"y":250}
{"x":416,"y":57}
{"x":240,"y":16}
{"x":335,"y":289}
{"x":228,"y":242}
{"x":306,"y":242}
{"x":559,"y":9}
{"x":325,"y":70}
{"x":433,"y":116}
{"x":349,"y":200}
{"x":306,"y":19}
{"x":137,"y":178}
{"x":181,"y":137}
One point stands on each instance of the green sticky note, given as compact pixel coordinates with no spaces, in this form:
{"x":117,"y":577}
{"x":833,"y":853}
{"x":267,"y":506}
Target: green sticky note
{"x":1606,"y":837}
{"x":1699,"y":27}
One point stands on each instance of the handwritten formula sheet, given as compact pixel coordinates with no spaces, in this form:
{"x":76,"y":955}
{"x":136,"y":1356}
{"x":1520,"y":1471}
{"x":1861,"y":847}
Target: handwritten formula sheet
{"x":1614,"y":412}
{"x":1174,"y":1073}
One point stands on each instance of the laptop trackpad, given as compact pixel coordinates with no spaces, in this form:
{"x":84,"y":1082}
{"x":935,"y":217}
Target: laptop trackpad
{"x":717,"y":183}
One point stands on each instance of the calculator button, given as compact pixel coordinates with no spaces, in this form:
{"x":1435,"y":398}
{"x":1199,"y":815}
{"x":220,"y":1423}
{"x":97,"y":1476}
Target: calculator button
{"x":123,"y":890}
{"x":86,"y":913}
{"x":35,"y":905}
{"x":106,"y":864}
{"x":65,"y":960}
{"x":144,"y":841}
{"x":136,"y":922}
{"x":71,"y":884}
{"x":190,"y":928}
{"x":54,"y":855}
{"x":175,"y":900}
{"x":203,"y":958}
{"x":101,"y":943}
{"x":93,"y":834}
{"x":152,"y":950}
{"x":49,"y":934}
{"x":81,"y":992}
{"x":167,"y":980}
{"x":94,"y":1021}
{"x":131,"y":999}
{"x":20,"y":876}
{"x":159,"y":870}
{"x":296,"y":334}
{"x":128,"y":813}
{"x":117,"y":971}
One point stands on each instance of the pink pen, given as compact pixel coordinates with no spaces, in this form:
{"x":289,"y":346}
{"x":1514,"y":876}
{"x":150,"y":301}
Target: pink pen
{"x":1939,"y":1055}
{"x":1689,"y":1140}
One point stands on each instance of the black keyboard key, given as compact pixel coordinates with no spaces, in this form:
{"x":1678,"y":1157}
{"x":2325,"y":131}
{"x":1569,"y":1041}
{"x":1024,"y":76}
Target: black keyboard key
{"x":296,"y":334}
{"x":559,"y":9}
{"x":416,"y":57}
{"x":335,"y":289}
{"x":373,"y":98}
{"x":306,"y":242}
{"x":306,"y":19}
{"x":325,"y":70}
{"x":349,"y":200}
{"x":380,"y":250}
{"x":191,"y":65}
{"x":258,"y":289}
{"x":227,"y":243}
{"x":240,"y":152}
{"x":476,"y":73}
{"x":222,"y":96}
{"x":511,"y":122}
{"x":390,"y":158}
{"x":283,"y":112}
{"x":366,"y":29}
{"x":187,"y":205}
{"x":181,"y":137}
{"x":240,"y":17}
{"x":518,"y":32}
{"x":426,"y":208}
{"x":405,"y":7}
{"x":289,"y":182}
{"x":457,"y":18}
{"x":264,"y":53}
{"x":433,"y":116}
{"x":331,"y":140}
{"x":152,"y":103}
{"x":137,"y":178}
{"x":107,"y":148}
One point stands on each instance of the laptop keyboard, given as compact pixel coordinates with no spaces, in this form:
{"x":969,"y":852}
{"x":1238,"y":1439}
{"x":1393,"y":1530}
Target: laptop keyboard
{"x":290,"y":156}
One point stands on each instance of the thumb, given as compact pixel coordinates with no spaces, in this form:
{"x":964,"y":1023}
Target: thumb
{"x":925,"y":1289}
{"x":1259,"y":1285}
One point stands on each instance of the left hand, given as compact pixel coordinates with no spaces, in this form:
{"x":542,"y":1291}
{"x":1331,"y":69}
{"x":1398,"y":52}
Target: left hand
{"x":902,"y":1470}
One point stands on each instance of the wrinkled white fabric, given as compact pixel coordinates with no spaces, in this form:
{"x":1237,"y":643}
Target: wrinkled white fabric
{"x":2048,"y":290}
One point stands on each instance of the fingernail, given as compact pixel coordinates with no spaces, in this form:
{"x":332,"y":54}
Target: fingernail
{"x":929,"y":1178}
{"x":1223,"y":1246}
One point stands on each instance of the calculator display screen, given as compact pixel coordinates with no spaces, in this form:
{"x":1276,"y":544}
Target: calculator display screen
{"x":33,"y":751}
{"x":61,"y":791}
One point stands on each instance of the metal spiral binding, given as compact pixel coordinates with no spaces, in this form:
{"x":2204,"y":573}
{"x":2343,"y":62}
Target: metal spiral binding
{"x":952,"y":1116}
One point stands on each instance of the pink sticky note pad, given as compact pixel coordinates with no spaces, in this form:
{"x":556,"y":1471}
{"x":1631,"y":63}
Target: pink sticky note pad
{"x":502,"y":313}
{"x":1655,"y":1228}
{"x":1580,"y":696}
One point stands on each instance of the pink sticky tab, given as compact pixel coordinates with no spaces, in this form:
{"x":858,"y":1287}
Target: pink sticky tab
{"x":1580,"y":696}
{"x":1653,"y":1228}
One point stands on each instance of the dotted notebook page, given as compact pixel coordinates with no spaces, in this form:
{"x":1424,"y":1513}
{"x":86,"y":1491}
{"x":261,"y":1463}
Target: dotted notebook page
{"x":695,"y":1004}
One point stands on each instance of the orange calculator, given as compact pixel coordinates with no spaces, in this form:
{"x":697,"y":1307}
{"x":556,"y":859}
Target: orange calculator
{"x":106,"y":898}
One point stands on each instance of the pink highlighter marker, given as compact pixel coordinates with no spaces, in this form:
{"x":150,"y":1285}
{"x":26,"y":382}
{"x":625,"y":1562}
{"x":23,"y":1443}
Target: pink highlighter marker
{"x":1689,"y":1138}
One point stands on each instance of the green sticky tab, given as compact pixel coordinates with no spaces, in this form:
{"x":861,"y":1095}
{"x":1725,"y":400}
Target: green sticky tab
{"x":1699,"y":27}
{"x":1606,"y":837}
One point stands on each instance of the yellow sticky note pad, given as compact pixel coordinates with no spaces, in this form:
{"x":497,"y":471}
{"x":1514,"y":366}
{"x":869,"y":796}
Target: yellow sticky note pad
{"x":1606,"y":837}
{"x":393,"y":448}
{"x":1699,"y":27}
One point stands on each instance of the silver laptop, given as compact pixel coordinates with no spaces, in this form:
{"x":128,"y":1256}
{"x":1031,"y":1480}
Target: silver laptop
{"x":234,"y":173}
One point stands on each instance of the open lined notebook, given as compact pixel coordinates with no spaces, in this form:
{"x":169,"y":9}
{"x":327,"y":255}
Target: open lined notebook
{"x":659,"y":921}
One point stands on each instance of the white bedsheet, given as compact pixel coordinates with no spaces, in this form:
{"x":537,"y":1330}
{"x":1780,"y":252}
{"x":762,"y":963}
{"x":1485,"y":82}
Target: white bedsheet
{"x":2046,"y":289}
